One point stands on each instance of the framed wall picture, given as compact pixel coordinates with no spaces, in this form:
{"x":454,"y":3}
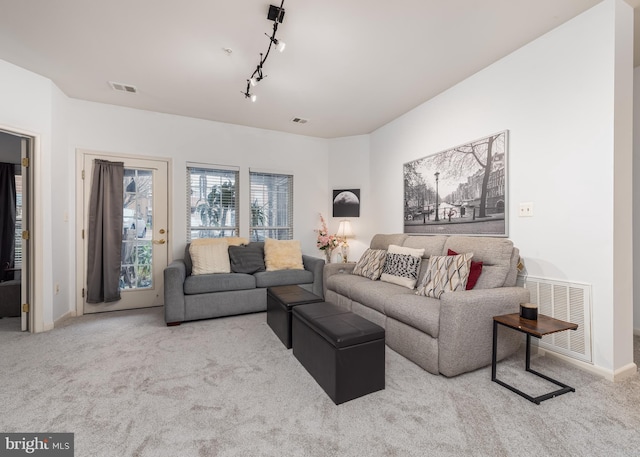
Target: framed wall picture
{"x":461,"y":191}
{"x":346,"y":203}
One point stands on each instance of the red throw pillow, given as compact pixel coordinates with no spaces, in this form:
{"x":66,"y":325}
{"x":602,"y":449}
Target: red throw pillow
{"x":474,"y":271}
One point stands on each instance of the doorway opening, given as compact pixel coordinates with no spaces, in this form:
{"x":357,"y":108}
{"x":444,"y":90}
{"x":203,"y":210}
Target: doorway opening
{"x":16,"y":209}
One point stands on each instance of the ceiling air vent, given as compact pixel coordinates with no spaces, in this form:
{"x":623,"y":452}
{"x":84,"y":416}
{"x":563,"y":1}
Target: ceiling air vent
{"x":299,"y":120}
{"x":123,"y":87}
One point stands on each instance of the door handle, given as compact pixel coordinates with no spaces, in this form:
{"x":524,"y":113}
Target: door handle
{"x":162,"y":241}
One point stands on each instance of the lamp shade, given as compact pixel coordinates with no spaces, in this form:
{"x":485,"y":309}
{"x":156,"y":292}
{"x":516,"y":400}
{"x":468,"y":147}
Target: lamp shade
{"x":344,"y":230}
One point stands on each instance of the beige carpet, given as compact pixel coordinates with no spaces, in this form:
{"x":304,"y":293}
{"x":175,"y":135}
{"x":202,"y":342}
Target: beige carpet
{"x":127,"y":385}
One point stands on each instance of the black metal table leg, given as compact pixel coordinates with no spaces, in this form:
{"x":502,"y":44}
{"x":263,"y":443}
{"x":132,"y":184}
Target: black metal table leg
{"x":564,"y":388}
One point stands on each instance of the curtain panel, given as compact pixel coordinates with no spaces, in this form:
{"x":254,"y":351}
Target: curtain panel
{"x":104,"y":255}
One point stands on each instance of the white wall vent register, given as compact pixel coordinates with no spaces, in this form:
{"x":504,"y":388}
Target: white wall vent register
{"x":569,"y":302}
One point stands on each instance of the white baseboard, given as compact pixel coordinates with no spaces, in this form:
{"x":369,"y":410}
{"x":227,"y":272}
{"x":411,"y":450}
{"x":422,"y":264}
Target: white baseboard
{"x":64,"y":317}
{"x":615,"y":376}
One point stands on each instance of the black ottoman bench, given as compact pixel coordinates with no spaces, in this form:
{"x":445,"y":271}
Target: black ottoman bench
{"x":343,"y":352}
{"x":280,"y":302}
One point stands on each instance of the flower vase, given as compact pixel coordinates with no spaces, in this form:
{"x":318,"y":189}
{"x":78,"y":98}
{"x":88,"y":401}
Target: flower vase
{"x":327,"y":254}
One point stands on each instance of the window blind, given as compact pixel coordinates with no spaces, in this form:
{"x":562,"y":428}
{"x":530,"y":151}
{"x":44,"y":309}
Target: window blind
{"x":212,"y":201}
{"x":271,"y":206}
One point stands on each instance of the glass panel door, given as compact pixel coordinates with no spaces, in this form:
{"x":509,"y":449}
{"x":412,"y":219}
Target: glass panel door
{"x":144,"y":232}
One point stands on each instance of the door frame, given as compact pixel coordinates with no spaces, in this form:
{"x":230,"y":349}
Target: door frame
{"x":34,"y":271}
{"x":80,"y":211}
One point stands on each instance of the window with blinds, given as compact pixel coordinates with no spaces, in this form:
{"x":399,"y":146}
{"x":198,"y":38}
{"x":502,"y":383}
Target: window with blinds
{"x":212,"y":202}
{"x":271,"y":206}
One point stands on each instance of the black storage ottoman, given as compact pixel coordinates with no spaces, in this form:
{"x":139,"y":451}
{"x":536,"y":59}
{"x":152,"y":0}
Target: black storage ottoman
{"x":343,"y":352}
{"x":280,"y":302}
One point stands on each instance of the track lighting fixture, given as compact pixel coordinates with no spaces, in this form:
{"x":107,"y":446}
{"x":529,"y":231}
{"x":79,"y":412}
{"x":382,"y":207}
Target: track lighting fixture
{"x":248,"y":94}
{"x":276,"y":14}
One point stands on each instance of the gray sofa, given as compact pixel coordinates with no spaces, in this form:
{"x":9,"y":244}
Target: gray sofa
{"x":450,"y":335}
{"x":190,"y":297}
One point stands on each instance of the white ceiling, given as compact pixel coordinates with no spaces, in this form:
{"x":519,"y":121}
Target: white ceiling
{"x":349,"y":66}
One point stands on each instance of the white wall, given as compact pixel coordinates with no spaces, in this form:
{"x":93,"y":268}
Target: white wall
{"x":63,"y":235}
{"x":26,"y":108}
{"x":349,"y":169}
{"x":113,"y":129}
{"x":556,"y":98}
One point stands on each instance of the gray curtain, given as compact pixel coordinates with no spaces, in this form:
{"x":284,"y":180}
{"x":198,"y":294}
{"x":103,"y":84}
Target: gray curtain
{"x":105,"y":232}
{"x":7,"y":219}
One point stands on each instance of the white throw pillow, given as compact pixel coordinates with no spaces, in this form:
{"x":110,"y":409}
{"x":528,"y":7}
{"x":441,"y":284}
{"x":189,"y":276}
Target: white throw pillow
{"x":210,"y":255}
{"x":402,"y":265}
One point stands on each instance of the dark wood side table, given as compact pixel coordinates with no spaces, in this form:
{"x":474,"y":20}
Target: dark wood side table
{"x":545,"y":325}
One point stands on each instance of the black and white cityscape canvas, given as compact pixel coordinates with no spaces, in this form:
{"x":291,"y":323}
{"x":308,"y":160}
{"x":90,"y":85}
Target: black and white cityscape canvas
{"x":461,"y":191}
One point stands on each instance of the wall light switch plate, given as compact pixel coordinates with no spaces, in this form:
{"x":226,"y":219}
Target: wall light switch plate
{"x":526,"y":209}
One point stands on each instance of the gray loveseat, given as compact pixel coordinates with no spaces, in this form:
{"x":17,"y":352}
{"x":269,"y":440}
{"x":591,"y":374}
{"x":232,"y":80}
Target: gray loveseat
{"x":190,"y":297}
{"x":450,"y":335}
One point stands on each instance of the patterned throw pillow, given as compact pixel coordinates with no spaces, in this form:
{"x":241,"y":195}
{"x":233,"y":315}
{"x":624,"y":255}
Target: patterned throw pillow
{"x":474,"y":272}
{"x":370,"y":264}
{"x":402,"y":265}
{"x":445,"y":273}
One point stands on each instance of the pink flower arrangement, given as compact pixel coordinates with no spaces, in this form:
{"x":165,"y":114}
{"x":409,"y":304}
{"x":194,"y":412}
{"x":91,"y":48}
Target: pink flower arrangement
{"x":326,"y":241}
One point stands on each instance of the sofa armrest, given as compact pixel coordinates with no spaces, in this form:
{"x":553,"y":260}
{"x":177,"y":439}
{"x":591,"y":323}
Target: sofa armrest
{"x":174,"y":276}
{"x":465,"y":336}
{"x":331,"y":269}
{"x":315,"y":265}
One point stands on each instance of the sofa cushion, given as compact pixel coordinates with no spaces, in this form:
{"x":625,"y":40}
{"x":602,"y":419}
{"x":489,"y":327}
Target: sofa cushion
{"x":381,"y":241}
{"x":283,"y":278}
{"x":210,"y":256}
{"x":494,"y":253}
{"x":401,"y":266}
{"x":416,"y":311}
{"x":282,"y":255}
{"x":343,"y":283}
{"x":375,"y":294}
{"x":432,"y":245}
{"x":202,"y":284}
{"x":445,"y":274}
{"x":247,"y":259}
{"x":371,"y":263}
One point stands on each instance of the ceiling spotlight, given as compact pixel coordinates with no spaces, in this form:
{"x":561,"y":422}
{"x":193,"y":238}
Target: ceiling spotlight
{"x":248,"y":94}
{"x":280,"y":45}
